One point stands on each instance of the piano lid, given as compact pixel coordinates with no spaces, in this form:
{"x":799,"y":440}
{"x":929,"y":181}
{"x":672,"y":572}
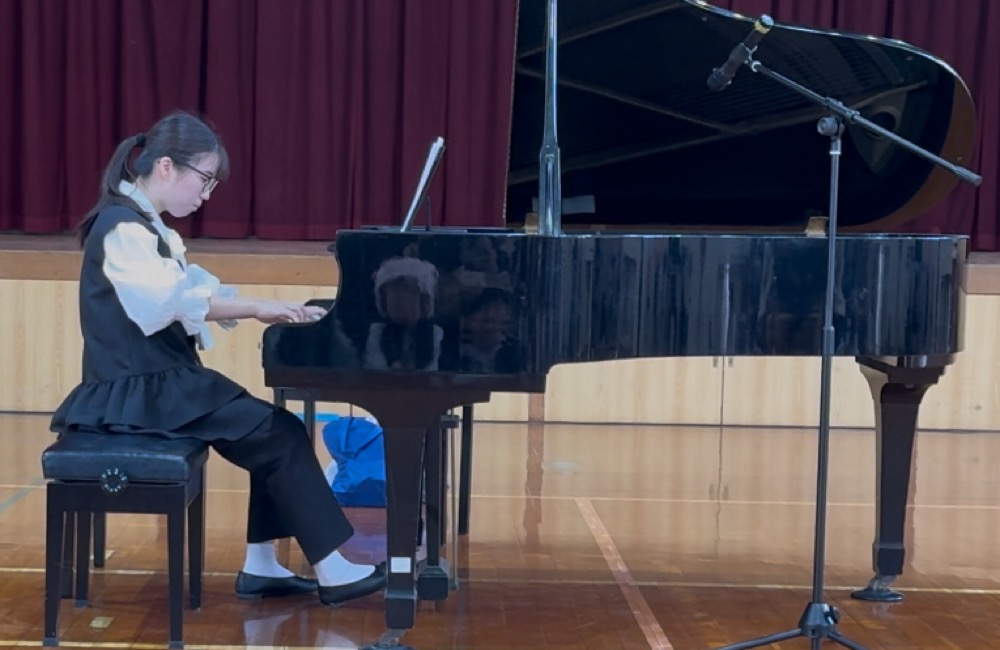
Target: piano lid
{"x":641,"y":133}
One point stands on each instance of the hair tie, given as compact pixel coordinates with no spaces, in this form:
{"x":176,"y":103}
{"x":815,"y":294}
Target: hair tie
{"x":140,"y":140}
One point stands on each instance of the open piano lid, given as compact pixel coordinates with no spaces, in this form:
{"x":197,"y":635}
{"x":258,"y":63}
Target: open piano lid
{"x":641,"y":133}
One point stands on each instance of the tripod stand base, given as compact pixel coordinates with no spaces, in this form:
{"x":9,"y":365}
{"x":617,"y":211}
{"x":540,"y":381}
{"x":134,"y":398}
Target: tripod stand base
{"x":819,"y":621}
{"x":877,"y":591}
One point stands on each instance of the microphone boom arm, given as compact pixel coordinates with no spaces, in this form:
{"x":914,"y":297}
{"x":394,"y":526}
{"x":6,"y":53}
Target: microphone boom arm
{"x":852,"y":116}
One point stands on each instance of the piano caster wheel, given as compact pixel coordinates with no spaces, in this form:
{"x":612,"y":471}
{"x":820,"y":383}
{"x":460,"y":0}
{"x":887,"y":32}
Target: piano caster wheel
{"x":877,"y":591}
{"x":390,"y":640}
{"x":433,"y":583}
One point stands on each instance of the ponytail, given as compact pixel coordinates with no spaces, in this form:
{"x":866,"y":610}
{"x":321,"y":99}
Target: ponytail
{"x":114,"y":173}
{"x":180,"y":136}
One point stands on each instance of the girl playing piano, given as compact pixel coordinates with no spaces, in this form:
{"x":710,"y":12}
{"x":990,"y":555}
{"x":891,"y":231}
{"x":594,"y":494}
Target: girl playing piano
{"x":143,"y":311}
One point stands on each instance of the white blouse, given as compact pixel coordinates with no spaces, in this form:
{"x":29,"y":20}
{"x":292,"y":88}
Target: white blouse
{"x":153,"y":290}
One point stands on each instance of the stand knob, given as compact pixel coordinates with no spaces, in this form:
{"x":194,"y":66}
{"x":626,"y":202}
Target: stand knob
{"x":830,"y":126}
{"x":113,"y":480}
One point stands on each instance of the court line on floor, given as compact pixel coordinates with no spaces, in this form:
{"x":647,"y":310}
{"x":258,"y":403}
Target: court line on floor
{"x":671,"y":584}
{"x":24,"y":491}
{"x":647,"y":622}
{"x":557,"y":497}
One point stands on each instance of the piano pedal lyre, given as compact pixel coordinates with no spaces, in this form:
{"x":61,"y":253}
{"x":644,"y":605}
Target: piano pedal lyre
{"x":817,"y":226}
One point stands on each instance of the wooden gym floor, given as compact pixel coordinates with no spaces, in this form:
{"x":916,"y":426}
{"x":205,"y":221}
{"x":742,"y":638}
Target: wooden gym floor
{"x":581,"y":537}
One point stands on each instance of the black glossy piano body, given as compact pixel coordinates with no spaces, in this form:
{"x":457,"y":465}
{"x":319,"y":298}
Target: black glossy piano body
{"x":430,"y":320}
{"x":487,"y":312}
{"x":643,"y":138}
{"x":509,"y":306}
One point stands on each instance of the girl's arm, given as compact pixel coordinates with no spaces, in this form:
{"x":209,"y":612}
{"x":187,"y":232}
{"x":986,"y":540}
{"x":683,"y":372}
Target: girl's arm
{"x":267,"y":311}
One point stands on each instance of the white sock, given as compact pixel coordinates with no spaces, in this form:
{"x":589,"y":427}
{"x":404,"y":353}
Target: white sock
{"x":262,"y":561}
{"x":335,"y":569}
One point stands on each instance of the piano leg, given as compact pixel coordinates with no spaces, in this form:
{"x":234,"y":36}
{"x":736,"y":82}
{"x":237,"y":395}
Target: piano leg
{"x":405,"y":417}
{"x":897,"y":392}
{"x":465,"y":469}
{"x":432,"y":582}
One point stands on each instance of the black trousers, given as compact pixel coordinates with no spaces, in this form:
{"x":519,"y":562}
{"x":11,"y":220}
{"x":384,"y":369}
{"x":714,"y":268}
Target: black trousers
{"x":289,"y":495}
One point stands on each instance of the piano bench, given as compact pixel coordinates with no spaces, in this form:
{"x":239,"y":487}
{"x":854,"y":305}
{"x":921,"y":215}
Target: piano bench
{"x":91,"y":474}
{"x":448,"y":422}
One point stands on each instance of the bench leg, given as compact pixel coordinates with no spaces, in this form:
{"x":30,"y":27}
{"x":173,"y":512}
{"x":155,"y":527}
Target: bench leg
{"x":82,"y":557}
{"x":68,"y":544}
{"x":175,"y":567}
{"x":55,"y":520}
{"x":196,"y":544}
{"x":100,"y":538}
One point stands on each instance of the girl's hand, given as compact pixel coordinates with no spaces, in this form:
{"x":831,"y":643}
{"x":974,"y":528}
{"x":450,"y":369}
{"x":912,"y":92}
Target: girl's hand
{"x":276,"y":311}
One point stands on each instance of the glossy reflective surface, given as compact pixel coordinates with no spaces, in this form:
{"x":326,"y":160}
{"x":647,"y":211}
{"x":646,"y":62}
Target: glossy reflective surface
{"x":643,"y":137}
{"x":426,"y":322}
{"x":713,"y":525}
{"x":502,"y":304}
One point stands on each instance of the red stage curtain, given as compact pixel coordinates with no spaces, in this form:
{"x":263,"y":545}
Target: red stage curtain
{"x":963,"y":33}
{"x":327,"y":108}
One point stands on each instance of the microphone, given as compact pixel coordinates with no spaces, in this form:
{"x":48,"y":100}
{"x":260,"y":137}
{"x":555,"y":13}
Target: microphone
{"x":724,"y":74}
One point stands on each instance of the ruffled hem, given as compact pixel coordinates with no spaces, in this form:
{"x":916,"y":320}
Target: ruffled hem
{"x":188,"y":401}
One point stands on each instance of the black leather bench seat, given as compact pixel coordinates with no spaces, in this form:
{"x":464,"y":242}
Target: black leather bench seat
{"x":144,"y":459}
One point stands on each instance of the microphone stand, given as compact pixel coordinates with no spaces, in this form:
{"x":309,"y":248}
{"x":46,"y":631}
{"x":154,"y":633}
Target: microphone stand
{"x":819,"y":620}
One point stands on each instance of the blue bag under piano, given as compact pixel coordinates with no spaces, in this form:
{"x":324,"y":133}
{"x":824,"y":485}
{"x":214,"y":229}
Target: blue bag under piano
{"x":357,"y":445}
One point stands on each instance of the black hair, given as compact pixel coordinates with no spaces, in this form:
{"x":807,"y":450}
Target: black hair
{"x":488,"y":297}
{"x":426,"y":299}
{"x":180,"y":136}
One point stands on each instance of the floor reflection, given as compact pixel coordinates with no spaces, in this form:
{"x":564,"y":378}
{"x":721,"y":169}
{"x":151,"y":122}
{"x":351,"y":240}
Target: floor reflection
{"x":701,"y":518}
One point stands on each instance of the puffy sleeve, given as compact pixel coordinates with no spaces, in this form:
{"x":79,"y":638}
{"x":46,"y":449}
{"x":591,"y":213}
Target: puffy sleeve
{"x":154,"y":290}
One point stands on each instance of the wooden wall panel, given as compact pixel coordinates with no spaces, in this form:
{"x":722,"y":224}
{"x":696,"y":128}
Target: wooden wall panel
{"x":40,"y":361}
{"x":785,"y":391}
{"x":504,"y":407}
{"x":637,"y":391}
{"x":968,"y":395}
{"x":40,"y":330}
{"x":40,"y":364}
{"x":40,"y":326}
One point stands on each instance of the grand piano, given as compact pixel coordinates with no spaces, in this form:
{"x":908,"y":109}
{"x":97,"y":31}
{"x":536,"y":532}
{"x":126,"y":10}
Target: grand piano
{"x":685,"y":218}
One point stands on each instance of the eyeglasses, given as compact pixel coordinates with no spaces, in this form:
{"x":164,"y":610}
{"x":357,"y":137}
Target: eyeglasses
{"x":210,"y":181}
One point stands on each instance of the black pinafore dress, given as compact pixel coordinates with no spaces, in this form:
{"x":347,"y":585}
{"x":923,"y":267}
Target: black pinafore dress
{"x":133,"y":383}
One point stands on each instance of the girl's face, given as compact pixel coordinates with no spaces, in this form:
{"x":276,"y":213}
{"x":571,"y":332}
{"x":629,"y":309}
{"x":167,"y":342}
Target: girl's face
{"x":487,"y":328}
{"x":191,"y":185}
{"x":403,"y":301}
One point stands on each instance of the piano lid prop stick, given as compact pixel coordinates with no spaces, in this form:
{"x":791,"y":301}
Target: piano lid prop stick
{"x":549,"y":173}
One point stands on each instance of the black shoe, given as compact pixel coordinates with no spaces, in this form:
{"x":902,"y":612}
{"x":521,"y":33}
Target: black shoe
{"x":340,"y":594}
{"x":251,"y":586}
